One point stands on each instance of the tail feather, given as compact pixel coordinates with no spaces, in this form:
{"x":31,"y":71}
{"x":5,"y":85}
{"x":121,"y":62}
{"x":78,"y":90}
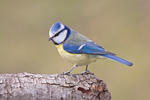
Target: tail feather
{"x":115,"y":58}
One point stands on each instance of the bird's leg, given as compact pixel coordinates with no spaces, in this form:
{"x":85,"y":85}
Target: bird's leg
{"x":68,"y":72}
{"x":86,"y":71}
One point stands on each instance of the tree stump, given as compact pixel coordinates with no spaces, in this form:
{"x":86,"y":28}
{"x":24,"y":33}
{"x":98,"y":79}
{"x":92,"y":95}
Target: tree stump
{"x":26,"y":86}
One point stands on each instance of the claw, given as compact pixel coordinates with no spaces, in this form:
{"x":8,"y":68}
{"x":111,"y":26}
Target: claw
{"x":85,"y":72}
{"x":66,"y":73}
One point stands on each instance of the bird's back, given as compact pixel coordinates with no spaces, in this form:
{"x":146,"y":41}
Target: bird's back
{"x":77,"y":38}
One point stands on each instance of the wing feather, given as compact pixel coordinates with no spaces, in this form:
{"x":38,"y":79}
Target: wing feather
{"x":86,"y":48}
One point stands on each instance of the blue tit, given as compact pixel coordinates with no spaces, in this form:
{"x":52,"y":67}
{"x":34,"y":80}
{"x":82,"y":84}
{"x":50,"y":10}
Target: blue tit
{"x":78,"y":49}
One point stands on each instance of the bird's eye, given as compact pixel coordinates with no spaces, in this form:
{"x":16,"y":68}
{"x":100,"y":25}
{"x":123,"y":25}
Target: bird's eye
{"x":56,"y":34}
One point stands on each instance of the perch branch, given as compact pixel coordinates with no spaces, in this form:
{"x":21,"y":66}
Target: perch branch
{"x":26,"y":86}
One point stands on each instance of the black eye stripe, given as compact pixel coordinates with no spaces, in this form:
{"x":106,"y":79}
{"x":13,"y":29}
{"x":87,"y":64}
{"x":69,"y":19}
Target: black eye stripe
{"x":56,"y":34}
{"x":51,"y":38}
{"x":59,"y":33}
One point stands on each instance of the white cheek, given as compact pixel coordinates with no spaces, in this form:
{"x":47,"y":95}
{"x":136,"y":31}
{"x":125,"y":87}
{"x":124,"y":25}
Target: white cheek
{"x":61,"y":37}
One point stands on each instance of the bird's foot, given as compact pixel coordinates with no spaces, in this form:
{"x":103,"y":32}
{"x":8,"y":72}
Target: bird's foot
{"x":66,"y":73}
{"x":86,"y":72}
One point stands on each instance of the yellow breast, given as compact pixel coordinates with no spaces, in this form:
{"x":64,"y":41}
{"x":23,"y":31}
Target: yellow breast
{"x":79,"y":59}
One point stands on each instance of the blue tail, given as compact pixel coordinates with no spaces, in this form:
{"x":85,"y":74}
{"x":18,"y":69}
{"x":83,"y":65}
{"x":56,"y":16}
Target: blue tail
{"x":115,"y":58}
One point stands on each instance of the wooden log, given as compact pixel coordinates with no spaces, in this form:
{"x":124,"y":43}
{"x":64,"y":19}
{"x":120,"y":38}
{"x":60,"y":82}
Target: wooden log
{"x":27,"y":86}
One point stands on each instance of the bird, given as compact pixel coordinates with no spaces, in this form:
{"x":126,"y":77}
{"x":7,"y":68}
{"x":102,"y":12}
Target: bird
{"x":78,"y":49}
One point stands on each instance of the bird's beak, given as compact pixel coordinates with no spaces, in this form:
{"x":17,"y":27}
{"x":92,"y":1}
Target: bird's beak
{"x":50,"y":38}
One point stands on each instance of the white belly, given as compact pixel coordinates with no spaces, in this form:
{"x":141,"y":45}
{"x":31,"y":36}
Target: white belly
{"x":79,"y":59}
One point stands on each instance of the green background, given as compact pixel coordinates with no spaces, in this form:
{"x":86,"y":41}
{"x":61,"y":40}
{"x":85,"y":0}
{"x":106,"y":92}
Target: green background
{"x":120,"y":26}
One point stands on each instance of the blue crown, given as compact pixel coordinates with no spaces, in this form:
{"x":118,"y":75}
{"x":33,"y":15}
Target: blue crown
{"x":55,"y":27}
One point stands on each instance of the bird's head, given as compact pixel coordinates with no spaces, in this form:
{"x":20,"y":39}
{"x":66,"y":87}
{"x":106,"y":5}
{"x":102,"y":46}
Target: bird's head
{"x":58,"y":33}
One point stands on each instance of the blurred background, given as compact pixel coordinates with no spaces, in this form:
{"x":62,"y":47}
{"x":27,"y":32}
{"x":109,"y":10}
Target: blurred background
{"x":120,"y":26}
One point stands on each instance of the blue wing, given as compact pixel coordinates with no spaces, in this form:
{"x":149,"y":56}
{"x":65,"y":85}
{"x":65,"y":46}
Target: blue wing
{"x":86,"y":48}
{"x":93,"y":48}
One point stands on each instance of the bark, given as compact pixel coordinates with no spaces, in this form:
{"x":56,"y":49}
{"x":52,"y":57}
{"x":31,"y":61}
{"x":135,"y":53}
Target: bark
{"x":26,"y":86}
